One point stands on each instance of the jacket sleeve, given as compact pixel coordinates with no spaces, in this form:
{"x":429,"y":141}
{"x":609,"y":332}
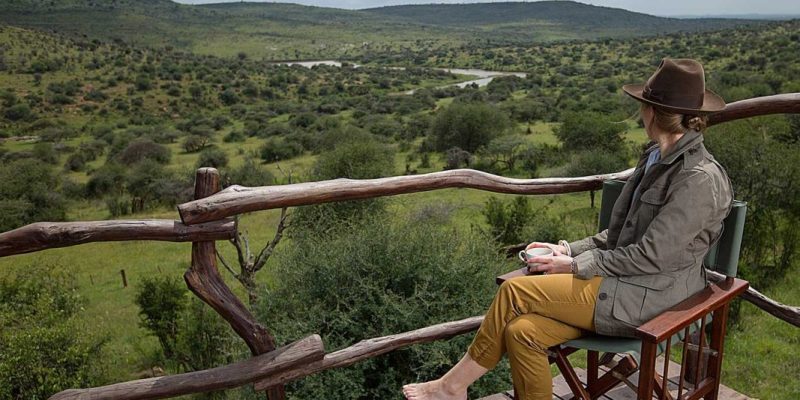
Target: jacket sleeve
{"x":597,"y":241}
{"x":692,"y":204}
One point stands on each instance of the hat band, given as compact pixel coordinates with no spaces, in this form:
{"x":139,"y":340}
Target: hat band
{"x":673,"y":100}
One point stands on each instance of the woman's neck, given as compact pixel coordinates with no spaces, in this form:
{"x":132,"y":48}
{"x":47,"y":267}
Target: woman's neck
{"x":667,"y":140}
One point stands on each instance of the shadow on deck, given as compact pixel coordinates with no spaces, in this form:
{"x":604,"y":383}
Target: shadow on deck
{"x":622,"y":392}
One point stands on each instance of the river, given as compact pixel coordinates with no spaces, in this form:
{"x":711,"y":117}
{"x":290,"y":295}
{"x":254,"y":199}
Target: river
{"x":482,"y":77}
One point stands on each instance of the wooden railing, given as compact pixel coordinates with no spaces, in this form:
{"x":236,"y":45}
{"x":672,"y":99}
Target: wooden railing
{"x":204,"y":221}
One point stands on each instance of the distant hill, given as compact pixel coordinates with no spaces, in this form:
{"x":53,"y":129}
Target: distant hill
{"x":563,"y":16}
{"x":290,"y":31}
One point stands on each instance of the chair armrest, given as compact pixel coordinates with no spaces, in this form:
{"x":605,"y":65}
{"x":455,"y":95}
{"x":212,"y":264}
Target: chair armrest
{"x":513,"y":274}
{"x":684,"y":313}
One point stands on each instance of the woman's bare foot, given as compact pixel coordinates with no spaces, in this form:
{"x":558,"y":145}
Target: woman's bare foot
{"x":433,"y":390}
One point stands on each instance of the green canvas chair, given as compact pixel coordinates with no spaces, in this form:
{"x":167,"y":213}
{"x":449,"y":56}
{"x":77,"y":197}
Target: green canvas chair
{"x":705,"y":312}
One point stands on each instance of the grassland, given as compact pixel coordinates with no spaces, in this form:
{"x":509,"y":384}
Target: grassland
{"x":278,"y":31}
{"x":563,"y":76}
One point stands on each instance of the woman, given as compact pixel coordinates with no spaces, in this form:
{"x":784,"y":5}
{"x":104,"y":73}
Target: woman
{"x":649,"y":259}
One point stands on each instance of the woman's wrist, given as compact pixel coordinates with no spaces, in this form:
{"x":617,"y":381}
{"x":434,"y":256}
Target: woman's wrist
{"x":565,"y":245}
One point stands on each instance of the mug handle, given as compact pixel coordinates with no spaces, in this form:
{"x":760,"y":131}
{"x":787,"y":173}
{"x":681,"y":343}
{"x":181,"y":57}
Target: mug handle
{"x":523,"y":256}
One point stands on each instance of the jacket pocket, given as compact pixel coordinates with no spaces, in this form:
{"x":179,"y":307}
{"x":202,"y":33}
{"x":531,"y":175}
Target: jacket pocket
{"x":639,"y":298}
{"x":651,"y":201}
{"x":655,"y":195}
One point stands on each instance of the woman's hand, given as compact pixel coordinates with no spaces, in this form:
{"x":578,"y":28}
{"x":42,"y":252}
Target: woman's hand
{"x":556,"y":248}
{"x":556,"y":264}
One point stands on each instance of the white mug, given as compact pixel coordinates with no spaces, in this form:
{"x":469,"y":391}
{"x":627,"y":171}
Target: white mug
{"x":524,"y":255}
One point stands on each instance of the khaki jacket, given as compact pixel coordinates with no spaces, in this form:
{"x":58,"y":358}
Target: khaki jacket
{"x":651,"y":255}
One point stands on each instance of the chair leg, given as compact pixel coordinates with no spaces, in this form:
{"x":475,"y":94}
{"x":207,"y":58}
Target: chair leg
{"x":659,"y":387}
{"x":592,"y":367}
{"x":570,"y":376}
{"x":613,"y":377}
{"x":647,"y":371}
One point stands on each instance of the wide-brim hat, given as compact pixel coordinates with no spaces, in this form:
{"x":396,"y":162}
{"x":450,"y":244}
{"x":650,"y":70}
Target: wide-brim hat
{"x":678,"y":85}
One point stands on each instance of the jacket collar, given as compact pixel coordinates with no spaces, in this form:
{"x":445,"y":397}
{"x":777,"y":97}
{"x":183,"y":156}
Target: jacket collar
{"x":686,"y":143}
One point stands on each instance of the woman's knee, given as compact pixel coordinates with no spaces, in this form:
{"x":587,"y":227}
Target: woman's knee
{"x":523,"y":332}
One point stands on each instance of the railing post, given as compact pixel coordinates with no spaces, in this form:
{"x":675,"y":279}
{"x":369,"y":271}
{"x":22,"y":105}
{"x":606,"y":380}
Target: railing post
{"x":205,"y":282}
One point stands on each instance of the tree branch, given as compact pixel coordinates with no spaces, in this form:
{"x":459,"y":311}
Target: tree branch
{"x":266,"y":252}
{"x":225,"y":264}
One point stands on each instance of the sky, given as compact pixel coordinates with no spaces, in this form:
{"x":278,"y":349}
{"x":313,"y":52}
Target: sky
{"x":662,"y":8}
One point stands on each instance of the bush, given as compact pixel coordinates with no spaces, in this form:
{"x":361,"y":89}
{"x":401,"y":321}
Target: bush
{"x":215,"y":158}
{"x":378,"y":279}
{"x":44,"y":348}
{"x":28,"y":194}
{"x":192,"y":335}
{"x":161,"y":301}
{"x":467,"y":126}
{"x":249,"y":174}
{"x":18,"y":112}
{"x":590,"y":131}
{"x":195,"y":143}
{"x":234,"y":136}
{"x":144,"y":149}
{"x":118,"y":205}
{"x":595,"y":162}
{"x":506,"y":220}
{"x":108,"y":179}
{"x":279,"y":149}
{"x":75,"y":162}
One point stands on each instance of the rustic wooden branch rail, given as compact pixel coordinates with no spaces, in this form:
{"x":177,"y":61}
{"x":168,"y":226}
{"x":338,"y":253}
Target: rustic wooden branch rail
{"x":371,"y":348}
{"x":205,"y":282}
{"x":788,"y":103}
{"x":230,"y":376}
{"x":239,"y":199}
{"x":778,"y":310}
{"x":48,"y":235}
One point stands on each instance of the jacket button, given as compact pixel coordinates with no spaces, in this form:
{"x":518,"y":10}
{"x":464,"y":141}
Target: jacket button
{"x":603,"y":296}
{"x":628,"y":223}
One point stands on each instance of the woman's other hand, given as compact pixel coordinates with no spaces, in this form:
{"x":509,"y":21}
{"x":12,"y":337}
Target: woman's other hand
{"x":556,"y":264}
{"x":556,"y":248}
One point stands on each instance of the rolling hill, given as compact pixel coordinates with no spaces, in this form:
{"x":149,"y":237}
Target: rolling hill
{"x":289,"y":31}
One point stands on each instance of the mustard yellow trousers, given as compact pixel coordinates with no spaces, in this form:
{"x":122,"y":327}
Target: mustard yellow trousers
{"x":528,"y":315}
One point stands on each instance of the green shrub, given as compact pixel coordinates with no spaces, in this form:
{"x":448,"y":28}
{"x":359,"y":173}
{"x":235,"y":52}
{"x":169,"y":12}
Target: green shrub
{"x":279,"y":149}
{"x":29,"y":194}
{"x":249,"y":174}
{"x":44,"y":349}
{"x":161,"y":301}
{"x":506,"y":220}
{"x":374,"y":279}
{"x":215,"y":158}
{"x":144,"y":149}
{"x":467,"y":126}
{"x":590,"y":131}
{"x":18,"y":112}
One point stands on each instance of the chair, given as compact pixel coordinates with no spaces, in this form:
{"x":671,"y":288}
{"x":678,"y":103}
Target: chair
{"x":657,"y":335}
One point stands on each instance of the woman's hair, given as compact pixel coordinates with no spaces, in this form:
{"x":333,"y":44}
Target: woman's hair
{"x":673,"y":122}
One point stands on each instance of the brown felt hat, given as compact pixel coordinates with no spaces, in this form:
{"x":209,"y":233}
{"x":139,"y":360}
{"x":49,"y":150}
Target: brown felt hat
{"x":678,"y":85}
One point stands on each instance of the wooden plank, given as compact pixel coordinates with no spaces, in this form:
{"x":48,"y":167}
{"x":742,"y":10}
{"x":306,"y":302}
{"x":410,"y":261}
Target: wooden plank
{"x":225,"y":377}
{"x":509,"y":395}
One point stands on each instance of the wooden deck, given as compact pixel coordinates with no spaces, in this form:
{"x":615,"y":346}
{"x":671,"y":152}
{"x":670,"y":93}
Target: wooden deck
{"x":622,"y":392}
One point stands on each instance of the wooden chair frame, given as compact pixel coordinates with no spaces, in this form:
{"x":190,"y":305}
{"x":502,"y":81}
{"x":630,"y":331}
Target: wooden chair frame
{"x":710,"y":304}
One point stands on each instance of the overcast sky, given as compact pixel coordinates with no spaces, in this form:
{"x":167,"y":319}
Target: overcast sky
{"x":673,"y":7}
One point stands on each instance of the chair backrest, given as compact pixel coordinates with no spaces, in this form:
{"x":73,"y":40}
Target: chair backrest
{"x":722,"y":257}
